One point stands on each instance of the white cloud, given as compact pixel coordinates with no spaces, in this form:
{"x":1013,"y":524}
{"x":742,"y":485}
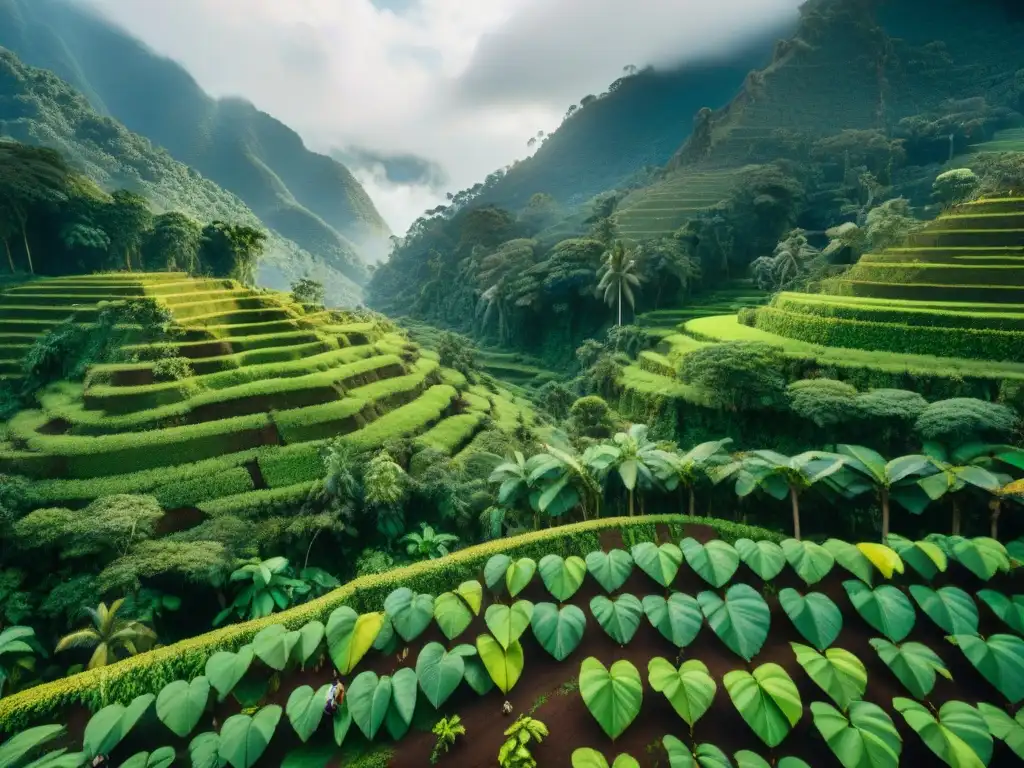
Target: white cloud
{"x":459,"y":82}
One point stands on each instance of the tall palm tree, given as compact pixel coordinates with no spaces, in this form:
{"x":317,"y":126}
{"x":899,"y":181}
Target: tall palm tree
{"x":963,"y":467}
{"x":631,"y":454}
{"x":109,"y":635}
{"x":685,"y":470}
{"x":619,"y":275}
{"x":562,"y":481}
{"x":895,"y":480}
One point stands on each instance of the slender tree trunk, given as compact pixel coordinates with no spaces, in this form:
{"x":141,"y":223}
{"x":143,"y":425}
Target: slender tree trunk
{"x":630,"y":493}
{"x":997,"y":509}
{"x":10,"y":259}
{"x":28,"y":251}
{"x":309,"y":549}
{"x":885,"y":515}
{"x":796,"y":513}
{"x":956,"y":517}
{"x":620,"y":303}
{"x":692,"y":501}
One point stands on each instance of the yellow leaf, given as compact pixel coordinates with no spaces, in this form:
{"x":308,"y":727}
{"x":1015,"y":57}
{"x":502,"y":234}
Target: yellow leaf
{"x":934,"y":553}
{"x":882,"y":557}
{"x":355,"y":640}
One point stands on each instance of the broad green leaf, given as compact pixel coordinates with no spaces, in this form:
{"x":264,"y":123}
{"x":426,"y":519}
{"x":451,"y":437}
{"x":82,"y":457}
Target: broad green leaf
{"x":403,"y":703}
{"x":999,"y":659}
{"x":477,"y":676}
{"x":1009,"y":609}
{"x":439,"y":673}
{"x":350,"y":636}
{"x":108,"y":727}
{"x":610,"y":569}
{"x":310,"y":637}
{"x":503,"y":665}
{"x":689,"y":689}
{"x":867,"y":739}
{"x":613,"y":696}
{"x":495,"y":570}
{"x":519,"y":574}
{"x":562,"y":576}
{"x":982,"y":556}
{"x":473,"y":594}
{"x":559,"y":631}
{"x":387,"y":639}
{"x":315,"y":755}
{"x":884,"y":558}
{"x":885,"y":608}
{"x":959,"y":736}
{"x":585,"y":757}
{"x":274,"y":646}
{"x":747,"y":759}
{"x":305,"y":709}
{"x":368,"y":699}
{"x":244,"y":739}
{"x":452,"y":614}
{"x":179,"y":705}
{"x":1005,"y":728}
{"x":678,"y":618}
{"x":507,"y":623}
{"x":661,"y":563}
{"x":741,"y":621}
{"x":21,"y":744}
{"x":838,"y":673}
{"x":849,"y":557}
{"x":204,"y":751}
{"x":59,"y":759}
{"x":224,"y":669}
{"x":765,"y":558}
{"x":620,"y":617}
{"x":812,"y":562}
{"x":342,"y":723}
{"x":925,"y":557}
{"x":409,"y":612}
{"x":767,"y":699}
{"x":815,"y":616}
{"x":914,"y":664}
{"x":704,"y":756}
{"x":952,"y":609}
{"x":715,"y":562}
{"x":160,"y":758}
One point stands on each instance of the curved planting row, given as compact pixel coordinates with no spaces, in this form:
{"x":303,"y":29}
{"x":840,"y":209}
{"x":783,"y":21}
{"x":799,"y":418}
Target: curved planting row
{"x":866,"y":655}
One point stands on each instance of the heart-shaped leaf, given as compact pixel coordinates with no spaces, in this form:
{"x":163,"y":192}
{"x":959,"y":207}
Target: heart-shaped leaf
{"x":925,"y":557}
{"x":244,"y":739}
{"x":473,"y":594}
{"x":403,"y":703}
{"x":519,"y":574}
{"x":108,"y":727}
{"x":950,"y":608}
{"x":368,"y":700}
{"x":661,"y":563}
{"x":585,"y":757}
{"x":741,"y":621}
{"x":1009,"y":609}
{"x":747,"y":759}
{"x":224,"y":669}
{"x":914,"y":664}
{"x":1005,"y":728}
{"x":350,"y":636}
{"x":815,"y":616}
{"x":613,"y":696}
{"x":204,"y":751}
{"x":982,"y":556}
{"x":999,"y":659}
{"x":620,"y":618}
{"x":387,"y":639}
{"x":495,"y":570}
{"x":310,"y":637}
{"x":180,"y":704}
{"x":342,"y":722}
{"x":610,"y":569}
{"x":959,"y":736}
{"x":503,"y":665}
{"x":690,"y":689}
{"x":812,"y":562}
{"x":439,"y":673}
{"x":477,"y":676}
{"x":410,"y":613}
{"x":21,"y":744}
{"x":559,"y":631}
{"x":767,"y":699}
{"x":885,"y":559}
{"x":507,"y":623}
{"x":715,"y":562}
{"x":452,"y":614}
{"x":867,"y":739}
{"x":885,"y":608}
{"x":562,"y":576}
{"x":677,"y":618}
{"x":838,"y":673}
{"x":765,"y":558}
{"x":704,"y":756}
{"x":849,"y":557}
{"x":274,"y":646}
{"x":305,"y":709}
{"x":160,"y":758}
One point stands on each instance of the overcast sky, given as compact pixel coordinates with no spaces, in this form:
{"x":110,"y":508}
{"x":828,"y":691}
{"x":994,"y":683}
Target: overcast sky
{"x":463,"y":83}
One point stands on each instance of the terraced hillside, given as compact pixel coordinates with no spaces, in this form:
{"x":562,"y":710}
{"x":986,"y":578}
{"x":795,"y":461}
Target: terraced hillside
{"x":1010,"y":140}
{"x":271,"y":384}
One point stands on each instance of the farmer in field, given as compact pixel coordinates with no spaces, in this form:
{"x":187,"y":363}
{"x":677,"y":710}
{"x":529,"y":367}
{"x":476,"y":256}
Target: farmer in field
{"x":335,"y":695}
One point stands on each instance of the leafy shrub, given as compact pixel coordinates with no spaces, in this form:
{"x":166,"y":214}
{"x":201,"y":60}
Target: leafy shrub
{"x":961,"y":419}
{"x":371,"y":561}
{"x":456,"y":352}
{"x":738,"y":375}
{"x":955,"y":186}
{"x":891,"y":404}
{"x":555,"y":398}
{"x":591,"y":416}
{"x":823,"y":401}
{"x":172,"y":369}
{"x":447,"y":729}
{"x":746,"y":315}
{"x":307,"y":291}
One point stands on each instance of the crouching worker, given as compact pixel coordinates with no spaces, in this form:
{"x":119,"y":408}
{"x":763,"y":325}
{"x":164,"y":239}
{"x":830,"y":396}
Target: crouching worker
{"x":335,"y":695}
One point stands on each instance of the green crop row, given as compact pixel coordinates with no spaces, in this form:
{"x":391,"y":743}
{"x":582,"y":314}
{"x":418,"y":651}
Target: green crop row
{"x":185,"y":311}
{"x":653,"y":362}
{"x":242,"y":317}
{"x":905,"y":313}
{"x":150,"y":672}
{"x":191,"y":492}
{"x":256,"y":504}
{"x":239,"y":330}
{"x":893,"y":337}
{"x":449,"y":435}
{"x":937,"y":274}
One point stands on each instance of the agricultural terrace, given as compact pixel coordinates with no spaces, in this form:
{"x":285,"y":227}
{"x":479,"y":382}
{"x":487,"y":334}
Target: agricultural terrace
{"x":670,"y":640}
{"x":270,"y":383}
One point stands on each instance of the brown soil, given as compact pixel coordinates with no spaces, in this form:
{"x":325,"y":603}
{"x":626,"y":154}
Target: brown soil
{"x":253,"y":467}
{"x":180,"y":519}
{"x":132,"y":377}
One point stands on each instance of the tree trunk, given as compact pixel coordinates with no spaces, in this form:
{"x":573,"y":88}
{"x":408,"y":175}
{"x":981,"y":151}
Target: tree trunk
{"x":692,"y":501}
{"x":620,"y":303}
{"x":28,"y":251}
{"x":10,"y":259}
{"x":885,"y":515}
{"x":796,"y":513}
{"x":956,"y":517}
{"x":997,"y":509}
{"x":630,"y":502}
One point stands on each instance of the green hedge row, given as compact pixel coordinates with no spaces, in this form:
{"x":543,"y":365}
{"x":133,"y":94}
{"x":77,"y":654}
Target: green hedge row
{"x":254,"y":505}
{"x":242,"y":317}
{"x":986,"y":294}
{"x":893,"y":337}
{"x":53,"y":314}
{"x":652,"y":362}
{"x":231,"y":302}
{"x":907,"y":314}
{"x":967,"y":238}
{"x":938,"y":274}
{"x":240,"y":330}
{"x":449,"y":435}
{"x":150,"y":672}
{"x":191,"y":492}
